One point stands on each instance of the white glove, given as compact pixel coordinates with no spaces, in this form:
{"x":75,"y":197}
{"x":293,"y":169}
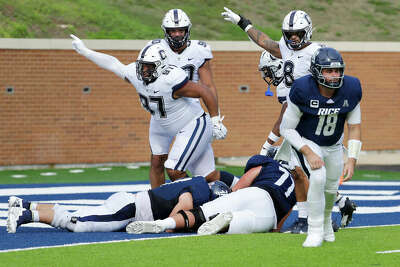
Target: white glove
{"x":229,"y":15}
{"x":219,"y":130}
{"x":78,"y":45}
{"x":269,"y":150}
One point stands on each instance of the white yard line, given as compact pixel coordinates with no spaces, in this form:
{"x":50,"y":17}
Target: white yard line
{"x":72,"y":189}
{"x":388,"y":251}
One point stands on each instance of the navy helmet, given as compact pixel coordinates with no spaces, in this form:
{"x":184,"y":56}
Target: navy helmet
{"x":219,"y":188}
{"x":327,"y":58}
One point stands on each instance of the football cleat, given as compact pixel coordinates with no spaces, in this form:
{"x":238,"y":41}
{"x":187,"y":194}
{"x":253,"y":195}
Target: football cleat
{"x":299,"y":227}
{"x":347,"y":212}
{"x":215,"y":225}
{"x":335,"y":226}
{"x":313,"y":240}
{"x":14,"y":201}
{"x":329,"y":235}
{"x":14,"y":214}
{"x":143,"y":227}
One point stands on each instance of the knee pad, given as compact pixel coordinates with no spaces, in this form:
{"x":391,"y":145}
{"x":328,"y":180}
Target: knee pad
{"x":61,"y":217}
{"x":199,"y":218}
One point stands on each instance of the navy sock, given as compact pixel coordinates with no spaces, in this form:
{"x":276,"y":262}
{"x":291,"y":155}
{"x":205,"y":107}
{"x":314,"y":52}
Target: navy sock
{"x":26,"y":204}
{"x":26,"y":217}
{"x":226,"y":177}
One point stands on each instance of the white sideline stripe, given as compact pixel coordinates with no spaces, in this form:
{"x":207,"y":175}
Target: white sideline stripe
{"x":359,"y":210}
{"x":374,"y":183}
{"x":72,"y":189}
{"x":375,"y":198}
{"x":36,"y":225}
{"x":369,"y":192}
{"x":72,"y":201}
{"x":388,"y":251}
{"x":101,"y":242}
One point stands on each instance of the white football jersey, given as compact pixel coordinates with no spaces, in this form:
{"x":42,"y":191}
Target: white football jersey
{"x":172,"y":114}
{"x":296,"y":63}
{"x":191,"y":59}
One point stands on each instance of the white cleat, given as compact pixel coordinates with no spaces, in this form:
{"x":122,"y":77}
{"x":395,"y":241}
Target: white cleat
{"x":329,"y":235}
{"x":218,"y":223}
{"x":143,"y":227}
{"x":313,"y":240}
{"x":14,"y":201}
{"x":13,"y":215}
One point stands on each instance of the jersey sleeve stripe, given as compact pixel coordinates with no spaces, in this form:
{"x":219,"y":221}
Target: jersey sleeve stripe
{"x":180,"y":85}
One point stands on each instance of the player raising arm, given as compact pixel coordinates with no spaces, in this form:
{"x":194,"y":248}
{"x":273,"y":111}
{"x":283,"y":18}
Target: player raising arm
{"x":166,"y":92}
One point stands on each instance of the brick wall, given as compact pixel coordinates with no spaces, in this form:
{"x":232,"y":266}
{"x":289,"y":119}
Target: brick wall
{"x":49,"y":119}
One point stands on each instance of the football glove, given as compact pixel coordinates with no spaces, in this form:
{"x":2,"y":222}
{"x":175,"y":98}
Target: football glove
{"x":78,"y":45}
{"x":269,"y":150}
{"x":219,"y":130}
{"x":239,"y":20}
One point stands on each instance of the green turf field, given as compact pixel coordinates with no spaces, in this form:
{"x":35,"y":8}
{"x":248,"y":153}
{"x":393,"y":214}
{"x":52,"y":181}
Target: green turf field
{"x":353,"y":247}
{"x":124,"y":174}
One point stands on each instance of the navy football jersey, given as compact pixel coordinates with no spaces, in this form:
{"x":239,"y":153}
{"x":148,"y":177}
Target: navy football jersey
{"x":164,"y":198}
{"x":323,"y":118}
{"x":276,"y":180}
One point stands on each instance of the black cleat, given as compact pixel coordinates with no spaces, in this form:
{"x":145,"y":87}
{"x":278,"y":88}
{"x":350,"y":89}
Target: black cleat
{"x":347,"y":212}
{"x":299,"y":227}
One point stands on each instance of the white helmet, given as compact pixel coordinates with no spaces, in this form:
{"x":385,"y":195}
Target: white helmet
{"x":271,"y":68}
{"x":176,"y":18}
{"x":154,"y":57}
{"x":299,"y":22}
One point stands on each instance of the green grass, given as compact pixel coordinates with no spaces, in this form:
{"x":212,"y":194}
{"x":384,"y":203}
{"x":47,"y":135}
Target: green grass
{"x":141,"y":19}
{"x":123,"y":174}
{"x":353,"y":247}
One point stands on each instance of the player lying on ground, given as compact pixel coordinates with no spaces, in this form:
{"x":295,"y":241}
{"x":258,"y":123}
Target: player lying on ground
{"x":119,"y":209}
{"x":261,"y":200}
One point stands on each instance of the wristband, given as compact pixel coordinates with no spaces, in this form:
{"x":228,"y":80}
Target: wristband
{"x":353,"y":148}
{"x":273,"y":137}
{"x":244,"y":23}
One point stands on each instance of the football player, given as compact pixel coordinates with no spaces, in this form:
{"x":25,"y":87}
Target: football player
{"x":166,"y":92}
{"x":295,"y":49}
{"x":119,"y":209}
{"x":313,"y":123}
{"x":271,"y":71}
{"x":260,"y":202}
{"x":194,"y":57}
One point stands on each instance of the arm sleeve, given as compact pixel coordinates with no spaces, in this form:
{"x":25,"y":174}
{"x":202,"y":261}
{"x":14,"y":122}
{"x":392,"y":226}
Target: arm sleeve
{"x":290,"y":119}
{"x":106,"y":62}
{"x":354,"y":116}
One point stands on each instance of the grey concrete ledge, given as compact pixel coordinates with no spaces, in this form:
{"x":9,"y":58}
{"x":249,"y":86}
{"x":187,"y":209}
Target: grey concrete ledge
{"x":65,"y":44}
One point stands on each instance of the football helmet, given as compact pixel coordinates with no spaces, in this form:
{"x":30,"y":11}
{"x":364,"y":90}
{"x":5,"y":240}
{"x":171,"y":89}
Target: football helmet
{"x":327,"y":58}
{"x":297,"y":22}
{"x":152,"y":60}
{"x":271,"y":68}
{"x":176,"y":19}
{"x":219,"y":188}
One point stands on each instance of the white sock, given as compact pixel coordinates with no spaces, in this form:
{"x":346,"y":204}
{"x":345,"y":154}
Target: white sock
{"x":33,"y":206}
{"x":35,"y":216}
{"x":168,"y":223}
{"x":234,"y":182}
{"x":302,"y":209}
